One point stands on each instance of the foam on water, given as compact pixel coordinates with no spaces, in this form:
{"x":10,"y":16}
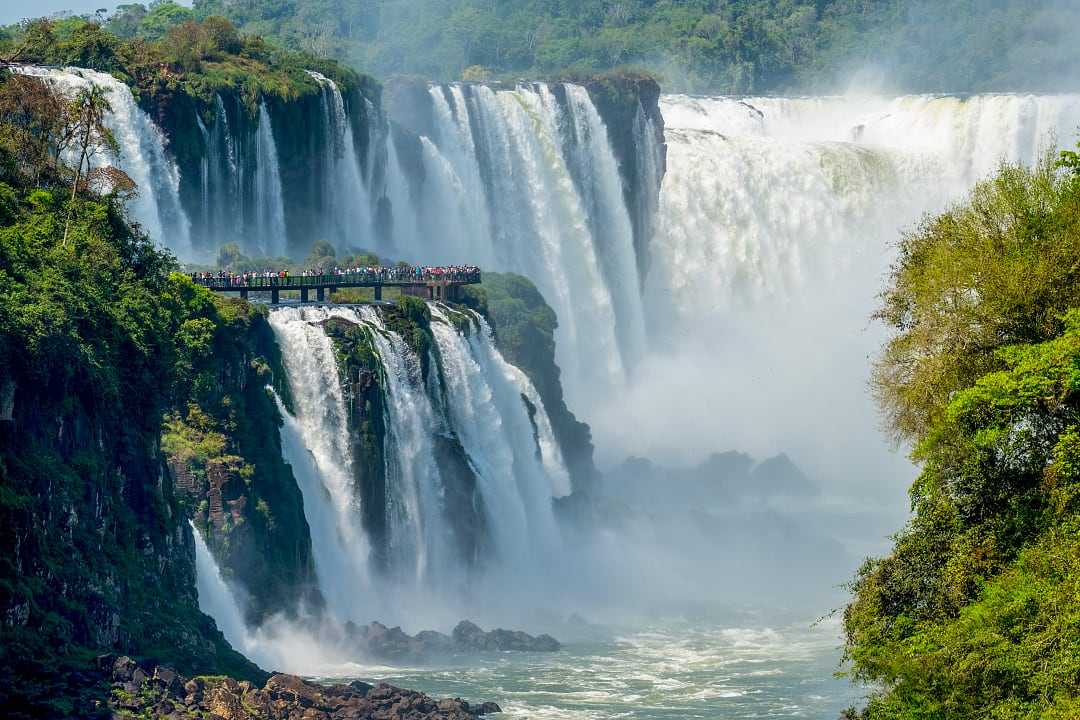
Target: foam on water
{"x":670,"y":670}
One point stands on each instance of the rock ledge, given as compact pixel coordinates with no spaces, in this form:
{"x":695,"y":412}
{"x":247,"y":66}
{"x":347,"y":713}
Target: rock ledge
{"x":160,"y":692}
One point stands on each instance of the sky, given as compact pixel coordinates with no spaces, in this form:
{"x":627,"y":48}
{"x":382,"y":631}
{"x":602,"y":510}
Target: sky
{"x":12,"y":11}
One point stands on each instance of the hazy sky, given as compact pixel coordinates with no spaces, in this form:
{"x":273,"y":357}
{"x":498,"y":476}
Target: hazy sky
{"x":15,"y":10}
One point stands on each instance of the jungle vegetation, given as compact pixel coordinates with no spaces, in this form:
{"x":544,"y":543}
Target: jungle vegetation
{"x":729,"y":46}
{"x":976,"y":611}
{"x":173,"y":54}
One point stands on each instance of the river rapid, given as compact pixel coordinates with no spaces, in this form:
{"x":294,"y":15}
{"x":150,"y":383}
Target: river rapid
{"x":666,"y":670}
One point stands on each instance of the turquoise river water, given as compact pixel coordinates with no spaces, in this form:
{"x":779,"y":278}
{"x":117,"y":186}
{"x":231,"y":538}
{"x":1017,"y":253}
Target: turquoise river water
{"x":670,"y":670}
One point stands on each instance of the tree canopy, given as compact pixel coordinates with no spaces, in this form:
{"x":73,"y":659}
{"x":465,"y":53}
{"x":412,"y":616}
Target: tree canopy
{"x":974,"y":613}
{"x":161,"y":51}
{"x":736,"y":46}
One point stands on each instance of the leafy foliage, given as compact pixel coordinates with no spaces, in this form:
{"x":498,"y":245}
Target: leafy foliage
{"x":973,"y":614}
{"x":736,"y":46}
{"x":167,"y":51}
{"x":95,"y":334}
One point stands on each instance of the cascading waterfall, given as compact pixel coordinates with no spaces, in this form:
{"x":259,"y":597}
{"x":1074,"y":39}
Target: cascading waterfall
{"x":348,"y":207}
{"x":240,"y":184}
{"x":519,"y":180}
{"x":597,"y":175}
{"x":473,"y":397}
{"x":270,"y":208}
{"x":222,"y":183}
{"x":413,"y":478}
{"x":216,"y":598}
{"x":316,"y":443}
{"x":485,"y":405}
{"x":775,"y":226}
{"x":142,"y":154}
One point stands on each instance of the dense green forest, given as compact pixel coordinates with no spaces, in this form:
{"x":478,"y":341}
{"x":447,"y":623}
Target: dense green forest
{"x":734,"y":46}
{"x":98,"y":337}
{"x":174,"y":55}
{"x":976,"y":613}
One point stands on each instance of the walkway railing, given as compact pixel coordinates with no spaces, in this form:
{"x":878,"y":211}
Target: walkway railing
{"x":260,"y":281}
{"x":432,"y":283}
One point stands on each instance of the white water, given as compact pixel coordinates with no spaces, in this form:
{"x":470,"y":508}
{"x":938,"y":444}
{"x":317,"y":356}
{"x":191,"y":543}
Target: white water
{"x":517,"y":181}
{"x":316,"y":443}
{"x":776,"y":225}
{"x":216,"y":599}
{"x":484,"y":393}
{"x":661,"y":670}
{"x":270,"y":218}
{"x":519,"y":473}
{"x":418,"y":535}
{"x":347,"y":211}
{"x":142,"y":155}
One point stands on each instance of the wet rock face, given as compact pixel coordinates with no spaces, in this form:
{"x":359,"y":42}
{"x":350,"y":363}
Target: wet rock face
{"x":160,"y":692}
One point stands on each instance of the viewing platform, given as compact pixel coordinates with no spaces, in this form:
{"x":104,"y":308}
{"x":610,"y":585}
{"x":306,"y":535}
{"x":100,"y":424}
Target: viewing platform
{"x":427,"y":283}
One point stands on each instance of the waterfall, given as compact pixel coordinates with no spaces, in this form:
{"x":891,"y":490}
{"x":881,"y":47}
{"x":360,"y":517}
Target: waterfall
{"x":221,"y":184}
{"x":270,"y":218}
{"x":414,"y":483}
{"x":204,"y":174}
{"x":525,"y":180}
{"x":347,"y":210}
{"x":485,"y":404}
{"x":142,"y":154}
{"x":776,"y":224}
{"x":651,"y":166}
{"x":471,"y":399}
{"x":598,"y":181}
{"x":763,"y":196}
{"x":316,"y":443}
{"x":216,"y":599}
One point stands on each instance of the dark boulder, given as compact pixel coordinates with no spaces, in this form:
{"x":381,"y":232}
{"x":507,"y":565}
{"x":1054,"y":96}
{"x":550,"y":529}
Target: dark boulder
{"x":161,"y":692}
{"x":469,"y":636}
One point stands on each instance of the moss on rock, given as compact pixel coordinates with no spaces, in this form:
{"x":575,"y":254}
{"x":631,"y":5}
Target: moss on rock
{"x":224,"y":448}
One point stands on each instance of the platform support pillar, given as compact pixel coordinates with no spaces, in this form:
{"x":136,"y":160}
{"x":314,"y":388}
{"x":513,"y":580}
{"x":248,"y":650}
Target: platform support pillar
{"x":303,"y":295}
{"x":378,"y":293}
{"x":275,"y":296}
{"x":320,"y":294}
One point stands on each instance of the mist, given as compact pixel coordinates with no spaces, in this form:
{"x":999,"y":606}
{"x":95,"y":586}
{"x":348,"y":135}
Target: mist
{"x":968,"y":47}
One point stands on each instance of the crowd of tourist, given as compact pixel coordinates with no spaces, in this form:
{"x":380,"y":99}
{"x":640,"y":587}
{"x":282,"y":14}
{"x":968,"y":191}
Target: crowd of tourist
{"x":365,"y":274}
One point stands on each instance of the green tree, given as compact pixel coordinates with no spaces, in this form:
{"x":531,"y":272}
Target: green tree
{"x":972,"y":614}
{"x":90,"y":137}
{"x":163,"y":15}
{"x":321,"y":257}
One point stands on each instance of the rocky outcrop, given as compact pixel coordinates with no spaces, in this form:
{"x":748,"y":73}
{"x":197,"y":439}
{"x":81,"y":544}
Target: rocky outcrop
{"x":95,"y":550}
{"x":148,"y":691}
{"x":224,"y":449}
{"x":469,"y":636}
{"x":378,"y":641}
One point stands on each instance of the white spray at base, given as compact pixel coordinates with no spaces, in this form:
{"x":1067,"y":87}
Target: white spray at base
{"x":778,"y":219}
{"x":279,"y":644}
{"x":216,"y":599}
{"x":472,"y":396}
